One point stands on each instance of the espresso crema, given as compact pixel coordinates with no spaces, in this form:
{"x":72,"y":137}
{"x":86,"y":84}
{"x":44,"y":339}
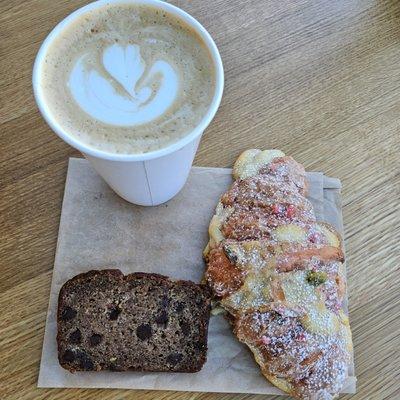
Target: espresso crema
{"x":128,"y":78}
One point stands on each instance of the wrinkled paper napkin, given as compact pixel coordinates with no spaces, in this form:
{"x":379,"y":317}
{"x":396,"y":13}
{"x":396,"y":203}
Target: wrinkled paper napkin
{"x":98,"y":229}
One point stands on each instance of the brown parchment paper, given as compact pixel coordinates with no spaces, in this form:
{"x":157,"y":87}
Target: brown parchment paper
{"x":98,"y":229}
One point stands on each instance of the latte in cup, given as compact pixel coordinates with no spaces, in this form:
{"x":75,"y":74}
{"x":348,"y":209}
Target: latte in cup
{"x":128,"y":78}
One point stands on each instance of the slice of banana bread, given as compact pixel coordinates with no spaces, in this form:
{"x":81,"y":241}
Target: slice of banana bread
{"x":144,"y":322}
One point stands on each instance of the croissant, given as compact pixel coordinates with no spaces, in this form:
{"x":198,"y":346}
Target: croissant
{"x":279,"y":274}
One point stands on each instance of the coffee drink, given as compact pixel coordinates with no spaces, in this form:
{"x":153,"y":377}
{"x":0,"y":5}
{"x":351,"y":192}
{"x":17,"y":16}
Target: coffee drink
{"x":128,"y":78}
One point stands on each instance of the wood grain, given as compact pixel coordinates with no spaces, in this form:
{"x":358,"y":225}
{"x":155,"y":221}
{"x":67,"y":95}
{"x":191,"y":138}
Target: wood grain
{"x":318,"y":79}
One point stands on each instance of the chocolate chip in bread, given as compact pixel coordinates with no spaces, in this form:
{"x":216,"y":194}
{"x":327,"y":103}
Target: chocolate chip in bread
{"x":144,"y":322}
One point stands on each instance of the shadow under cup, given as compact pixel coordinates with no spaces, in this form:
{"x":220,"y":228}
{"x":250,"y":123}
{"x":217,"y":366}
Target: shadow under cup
{"x":151,"y":178}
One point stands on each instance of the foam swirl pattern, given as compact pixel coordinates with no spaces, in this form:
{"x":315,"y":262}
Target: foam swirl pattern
{"x":131,"y":104}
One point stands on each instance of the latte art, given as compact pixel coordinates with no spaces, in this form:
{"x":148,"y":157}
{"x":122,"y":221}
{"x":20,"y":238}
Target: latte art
{"x":101,"y":96}
{"x":128,"y":78}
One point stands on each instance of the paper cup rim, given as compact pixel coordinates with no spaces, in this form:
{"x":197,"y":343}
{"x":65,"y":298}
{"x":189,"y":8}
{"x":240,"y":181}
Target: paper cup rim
{"x":86,"y":149}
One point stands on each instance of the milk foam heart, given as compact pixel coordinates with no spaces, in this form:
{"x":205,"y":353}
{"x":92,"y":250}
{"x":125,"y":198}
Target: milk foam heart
{"x":128,"y":78}
{"x":96,"y":91}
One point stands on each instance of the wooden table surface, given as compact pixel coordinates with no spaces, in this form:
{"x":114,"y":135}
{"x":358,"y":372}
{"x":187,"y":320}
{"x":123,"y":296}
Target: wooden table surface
{"x":317,"y":79}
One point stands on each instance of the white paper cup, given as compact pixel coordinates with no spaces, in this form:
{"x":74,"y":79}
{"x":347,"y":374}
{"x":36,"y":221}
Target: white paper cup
{"x":146,"y":179}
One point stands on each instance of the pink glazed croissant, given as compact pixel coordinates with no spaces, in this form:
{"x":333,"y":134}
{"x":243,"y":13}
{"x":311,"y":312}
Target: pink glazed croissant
{"x":280,"y":276}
